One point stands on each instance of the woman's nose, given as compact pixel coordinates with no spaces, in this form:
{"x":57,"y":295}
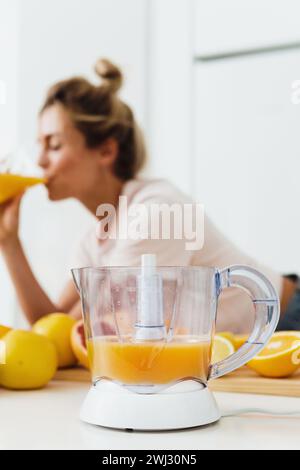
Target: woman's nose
{"x":43,"y":160}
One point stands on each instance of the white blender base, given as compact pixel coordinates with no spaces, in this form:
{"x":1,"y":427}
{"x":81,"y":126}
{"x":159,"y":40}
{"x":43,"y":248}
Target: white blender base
{"x":183,"y":405}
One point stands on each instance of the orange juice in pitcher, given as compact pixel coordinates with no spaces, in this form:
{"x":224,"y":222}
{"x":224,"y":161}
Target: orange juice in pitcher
{"x":149,"y":362}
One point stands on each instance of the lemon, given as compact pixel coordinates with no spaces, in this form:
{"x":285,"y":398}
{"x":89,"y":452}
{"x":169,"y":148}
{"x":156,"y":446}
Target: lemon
{"x":2,"y":352}
{"x":30,"y":360}
{"x":222,"y":348}
{"x":281,"y":356}
{"x":239,"y":340}
{"x":57,"y":327}
{"x":4,"y":330}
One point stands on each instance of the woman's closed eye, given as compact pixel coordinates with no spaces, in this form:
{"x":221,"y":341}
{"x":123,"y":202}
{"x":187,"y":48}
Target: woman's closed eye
{"x":55,"y":147}
{"x":54,"y":144}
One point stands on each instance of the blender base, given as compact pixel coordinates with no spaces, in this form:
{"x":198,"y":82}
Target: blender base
{"x":184,"y":405}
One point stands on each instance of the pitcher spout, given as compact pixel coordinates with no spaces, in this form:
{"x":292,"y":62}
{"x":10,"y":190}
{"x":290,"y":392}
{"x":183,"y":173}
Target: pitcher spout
{"x":76,"y":278}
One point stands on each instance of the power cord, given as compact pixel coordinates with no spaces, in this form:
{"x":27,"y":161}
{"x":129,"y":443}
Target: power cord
{"x":260,"y":411}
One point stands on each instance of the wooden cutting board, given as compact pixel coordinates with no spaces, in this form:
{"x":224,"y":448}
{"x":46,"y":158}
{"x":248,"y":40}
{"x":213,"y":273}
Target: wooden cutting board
{"x":245,"y":380}
{"x":76,"y":374}
{"x":241,"y":381}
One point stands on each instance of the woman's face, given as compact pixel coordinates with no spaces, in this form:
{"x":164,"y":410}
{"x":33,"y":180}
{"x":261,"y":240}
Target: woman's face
{"x":69,"y":165}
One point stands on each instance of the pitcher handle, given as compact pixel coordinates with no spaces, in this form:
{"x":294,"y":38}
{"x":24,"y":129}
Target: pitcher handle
{"x":267,"y":311}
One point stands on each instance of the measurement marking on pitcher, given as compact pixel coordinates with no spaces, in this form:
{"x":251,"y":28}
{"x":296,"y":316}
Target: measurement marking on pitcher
{"x":265,"y":301}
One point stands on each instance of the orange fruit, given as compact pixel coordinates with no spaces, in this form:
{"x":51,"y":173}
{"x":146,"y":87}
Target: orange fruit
{"x":78,"y":344}
{"x":239,"y":340}
{"x":281,"y":356}
{"x":57,"y":327}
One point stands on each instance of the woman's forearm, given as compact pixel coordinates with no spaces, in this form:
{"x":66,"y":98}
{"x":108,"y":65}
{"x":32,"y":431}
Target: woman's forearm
{"x":33,"y":300}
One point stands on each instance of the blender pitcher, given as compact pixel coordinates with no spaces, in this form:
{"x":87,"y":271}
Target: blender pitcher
{"x":149,"y":333}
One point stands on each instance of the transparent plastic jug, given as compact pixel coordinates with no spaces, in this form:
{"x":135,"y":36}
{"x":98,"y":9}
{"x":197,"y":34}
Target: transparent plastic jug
{"x":150,"y":328}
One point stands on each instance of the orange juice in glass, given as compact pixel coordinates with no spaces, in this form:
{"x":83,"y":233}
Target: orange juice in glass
{"x":11,"y":185}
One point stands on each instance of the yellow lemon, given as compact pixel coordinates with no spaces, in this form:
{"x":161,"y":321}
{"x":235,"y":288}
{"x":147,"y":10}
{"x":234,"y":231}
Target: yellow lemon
{"x":4,"y":330}
{"x":57,"y":327}
{"x":222,"y":348}
{"x":239,"y":340}
{"x":30,"y":360}
{"x":281,"y":356}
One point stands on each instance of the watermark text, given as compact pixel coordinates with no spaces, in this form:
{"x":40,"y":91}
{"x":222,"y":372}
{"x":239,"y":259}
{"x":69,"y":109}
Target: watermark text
{"x":152,"y":222}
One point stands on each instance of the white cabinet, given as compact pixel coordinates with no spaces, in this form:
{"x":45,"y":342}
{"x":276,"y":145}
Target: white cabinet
{"x":246,"y":155}
{"x":246,"y":129}
{"x":226,"y":129}
{"x":237,"y":25}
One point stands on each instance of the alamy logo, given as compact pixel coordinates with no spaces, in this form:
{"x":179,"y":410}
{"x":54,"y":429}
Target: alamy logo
{"x":3,"y":92}
{"x":295,"y":92}
{"x":152,"y":222}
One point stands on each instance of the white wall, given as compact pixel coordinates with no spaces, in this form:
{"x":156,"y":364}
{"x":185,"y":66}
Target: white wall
{"x":61,"y":38}
{"x":8,"y":118}
{"x":58,"y":39}
{"x":170,"y":67}
{"x":8,"y":73}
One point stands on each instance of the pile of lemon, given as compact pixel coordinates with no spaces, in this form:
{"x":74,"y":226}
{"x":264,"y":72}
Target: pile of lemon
{"x":279,"y":358}
{"x":30,"y":359}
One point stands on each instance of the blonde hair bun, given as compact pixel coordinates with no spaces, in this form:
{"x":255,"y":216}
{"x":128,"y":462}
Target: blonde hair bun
{"x":111,"y":76}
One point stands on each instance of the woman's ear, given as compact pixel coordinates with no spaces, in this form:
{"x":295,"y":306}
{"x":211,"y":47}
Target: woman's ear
{"x":108,"y":152}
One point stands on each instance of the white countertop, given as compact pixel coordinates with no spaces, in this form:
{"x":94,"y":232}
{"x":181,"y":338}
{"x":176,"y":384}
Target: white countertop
{"x":48,"y":419}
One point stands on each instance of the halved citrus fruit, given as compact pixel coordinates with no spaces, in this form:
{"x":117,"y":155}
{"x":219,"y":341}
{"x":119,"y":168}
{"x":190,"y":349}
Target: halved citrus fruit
{"x":222,"y":348}
{"x":281,"y":356}
{"x":106,"y":327}
{"x":78,"y":343}
{"x":227,"y":334}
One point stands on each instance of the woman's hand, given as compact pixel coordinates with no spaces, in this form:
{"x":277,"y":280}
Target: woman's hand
{"x":9,"y":220}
